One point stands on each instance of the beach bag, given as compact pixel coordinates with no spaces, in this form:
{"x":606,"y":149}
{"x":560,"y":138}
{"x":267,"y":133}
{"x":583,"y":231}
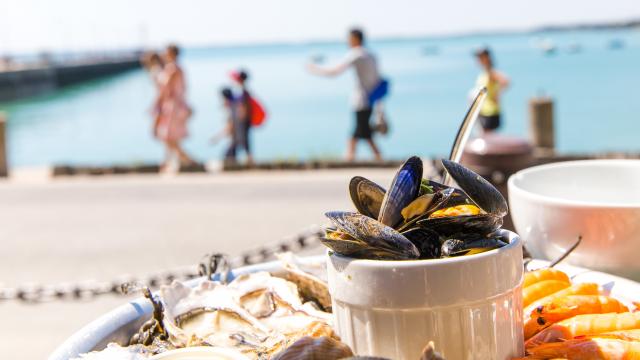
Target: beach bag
{"x":379,"y":92}
{"x":258,"y":113}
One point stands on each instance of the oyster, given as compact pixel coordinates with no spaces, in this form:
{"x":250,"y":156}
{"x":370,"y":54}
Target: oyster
{"x":257,"y":314}
{"x":310,"y":279}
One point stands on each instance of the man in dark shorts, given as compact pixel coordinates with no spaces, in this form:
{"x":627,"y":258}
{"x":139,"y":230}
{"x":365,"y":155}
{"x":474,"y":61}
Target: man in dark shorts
{"x":243,"y":133}
{"x":368,"y":77}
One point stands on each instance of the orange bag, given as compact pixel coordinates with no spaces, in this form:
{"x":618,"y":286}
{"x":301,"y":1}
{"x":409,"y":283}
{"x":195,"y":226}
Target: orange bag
{"x":258,"y":113}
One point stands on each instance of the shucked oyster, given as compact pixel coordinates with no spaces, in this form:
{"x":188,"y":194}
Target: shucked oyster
{"x":311,"y":279}
{"x":257,"y":314}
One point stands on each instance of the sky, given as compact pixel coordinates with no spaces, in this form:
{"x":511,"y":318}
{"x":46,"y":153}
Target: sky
{"x":55,"y":25}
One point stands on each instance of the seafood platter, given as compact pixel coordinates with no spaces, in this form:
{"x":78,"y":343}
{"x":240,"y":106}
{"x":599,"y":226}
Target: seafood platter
{"x":420,"y":270}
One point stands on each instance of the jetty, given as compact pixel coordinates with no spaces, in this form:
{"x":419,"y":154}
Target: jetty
{"x":19,"y":81}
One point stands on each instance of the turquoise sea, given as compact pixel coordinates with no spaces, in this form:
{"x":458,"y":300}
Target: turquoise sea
{"x":596,"y":92}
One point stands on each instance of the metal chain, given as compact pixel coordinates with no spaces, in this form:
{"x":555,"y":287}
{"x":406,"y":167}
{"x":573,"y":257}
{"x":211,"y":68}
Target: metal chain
{"x":35,"y":293}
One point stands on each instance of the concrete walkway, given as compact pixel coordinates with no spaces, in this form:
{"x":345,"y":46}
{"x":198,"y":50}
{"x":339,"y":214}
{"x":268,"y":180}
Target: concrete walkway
{"x":77,"y":229}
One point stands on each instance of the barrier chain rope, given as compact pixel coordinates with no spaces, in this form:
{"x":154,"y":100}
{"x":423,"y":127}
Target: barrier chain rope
{"x":36,"y":294}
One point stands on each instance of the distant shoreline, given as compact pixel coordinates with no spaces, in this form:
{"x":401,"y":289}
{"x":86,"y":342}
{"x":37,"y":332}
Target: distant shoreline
{"x":598,"y":26}
{"x":586,"y":26}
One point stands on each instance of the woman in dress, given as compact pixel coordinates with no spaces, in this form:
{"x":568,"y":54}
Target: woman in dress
{"x":174,"y":110}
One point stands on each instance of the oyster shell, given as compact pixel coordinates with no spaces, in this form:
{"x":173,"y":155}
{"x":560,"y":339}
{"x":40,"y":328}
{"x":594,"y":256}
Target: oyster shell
{"x":311,"y":280}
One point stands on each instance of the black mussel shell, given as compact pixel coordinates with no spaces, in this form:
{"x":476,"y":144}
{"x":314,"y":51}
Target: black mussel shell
{"x":373,"y":233}
{"x":428,"y":242}
{"x":359,"y":250}
{"x":485,"y":195}
{"x":440,"y":199}
{"x":457,"y":247}
{"x":403,"y":190}
{"x":335,"y":234}
{"x":366,"y":195}
{"x":344,"y":247}
{"x":481,"y":224}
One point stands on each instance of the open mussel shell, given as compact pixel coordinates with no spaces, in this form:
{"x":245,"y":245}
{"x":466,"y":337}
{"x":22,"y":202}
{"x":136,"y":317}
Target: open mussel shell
{"x":485,"y":195}
{"x":359,"y":250}
{"x":403,"y":190}
{"x":480,"y":224}
{"x":457,"y":247}
{"x":428,"y":242}
{"x":367,"y":196}
{"x":335,"y":234}
{"x":344,"y":247}
{"x":373,"y":233}
{"x":441,"y":198}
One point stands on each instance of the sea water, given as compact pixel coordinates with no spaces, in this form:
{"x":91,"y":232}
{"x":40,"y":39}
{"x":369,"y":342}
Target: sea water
{"x":595,"y":90}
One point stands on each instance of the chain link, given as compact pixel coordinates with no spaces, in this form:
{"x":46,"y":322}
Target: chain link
{"x":87,"y":290}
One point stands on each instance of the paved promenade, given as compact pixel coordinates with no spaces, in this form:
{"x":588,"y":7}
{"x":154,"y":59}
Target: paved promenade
{"x":99,"y":228}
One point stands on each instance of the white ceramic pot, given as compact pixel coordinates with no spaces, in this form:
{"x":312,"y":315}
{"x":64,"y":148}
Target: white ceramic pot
{"x":470,"y":306}
{"x":551,"y":205}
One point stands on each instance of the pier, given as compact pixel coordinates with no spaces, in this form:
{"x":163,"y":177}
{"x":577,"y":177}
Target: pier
{"x":31,"y":80}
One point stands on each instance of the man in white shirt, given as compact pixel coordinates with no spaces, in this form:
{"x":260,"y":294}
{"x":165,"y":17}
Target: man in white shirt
{"x":367,"y":78}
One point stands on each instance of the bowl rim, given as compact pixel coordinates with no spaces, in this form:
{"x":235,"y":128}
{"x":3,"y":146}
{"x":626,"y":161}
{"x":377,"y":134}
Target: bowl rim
{"x":536,"y":197}
{"x":514,"y":242}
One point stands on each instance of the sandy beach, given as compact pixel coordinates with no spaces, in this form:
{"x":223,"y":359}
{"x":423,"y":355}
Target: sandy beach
{"x":79,"y":229}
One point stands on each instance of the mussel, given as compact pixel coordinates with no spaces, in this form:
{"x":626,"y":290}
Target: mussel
{"x":373,"y":234}
{"x":367,"y":196}
{"x":417,"y":217}
{"x":404,"y":189}
{"x":457,"y":247}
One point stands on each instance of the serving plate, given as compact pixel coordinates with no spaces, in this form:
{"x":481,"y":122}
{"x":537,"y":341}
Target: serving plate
{"x":118,"y":325}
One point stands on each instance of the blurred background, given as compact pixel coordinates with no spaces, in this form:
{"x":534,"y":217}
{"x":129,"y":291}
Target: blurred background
{"x":584,"y":57}
{"x":74,"y":94}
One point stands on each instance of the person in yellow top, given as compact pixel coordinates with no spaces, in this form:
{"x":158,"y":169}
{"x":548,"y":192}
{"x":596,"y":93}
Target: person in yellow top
{"x":495,"y":82}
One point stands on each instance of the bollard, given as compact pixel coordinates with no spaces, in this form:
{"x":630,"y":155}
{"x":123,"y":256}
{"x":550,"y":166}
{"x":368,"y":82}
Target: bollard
{"x":4,"y":171}
{"x":541,"y":128}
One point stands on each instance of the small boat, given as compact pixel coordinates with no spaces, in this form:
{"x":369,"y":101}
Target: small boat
{"x":548,"y":47}
{"x":615,"y":44}
{"x":545,"y":45}
{"x":574,"y":48}
{"x":430,"y":50}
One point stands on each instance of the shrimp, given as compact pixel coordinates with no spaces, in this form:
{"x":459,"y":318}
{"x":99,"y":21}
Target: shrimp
{"x":535,"y":276}
{"x":587,"y":349}
{"x":531,"y":326}
{"x":627,"y":335}
{"x":585,"y":325}
{"x":542,"y":289}
{"x":570,"y":306}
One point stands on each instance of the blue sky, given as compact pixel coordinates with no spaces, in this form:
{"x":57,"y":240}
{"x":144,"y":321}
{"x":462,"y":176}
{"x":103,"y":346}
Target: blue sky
{"x":37,"y":25}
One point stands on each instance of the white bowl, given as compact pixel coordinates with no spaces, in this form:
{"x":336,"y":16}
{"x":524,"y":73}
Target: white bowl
{"x":551,"y":205}
{"x":470,"y":306}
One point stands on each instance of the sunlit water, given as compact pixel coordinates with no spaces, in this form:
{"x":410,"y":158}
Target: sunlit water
{"x":106,"y":122}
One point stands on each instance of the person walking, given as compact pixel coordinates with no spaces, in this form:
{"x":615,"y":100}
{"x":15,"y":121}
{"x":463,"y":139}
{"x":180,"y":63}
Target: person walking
{"x":244,"y":111}
{"x":174,"y":110}
{"x":495,"y":82}
{"x":235,"y":114}
{"x":367,"y":80}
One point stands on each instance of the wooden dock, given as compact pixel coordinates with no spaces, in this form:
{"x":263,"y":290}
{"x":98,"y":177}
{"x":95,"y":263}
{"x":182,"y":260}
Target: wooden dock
{"x":23,"y":82}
